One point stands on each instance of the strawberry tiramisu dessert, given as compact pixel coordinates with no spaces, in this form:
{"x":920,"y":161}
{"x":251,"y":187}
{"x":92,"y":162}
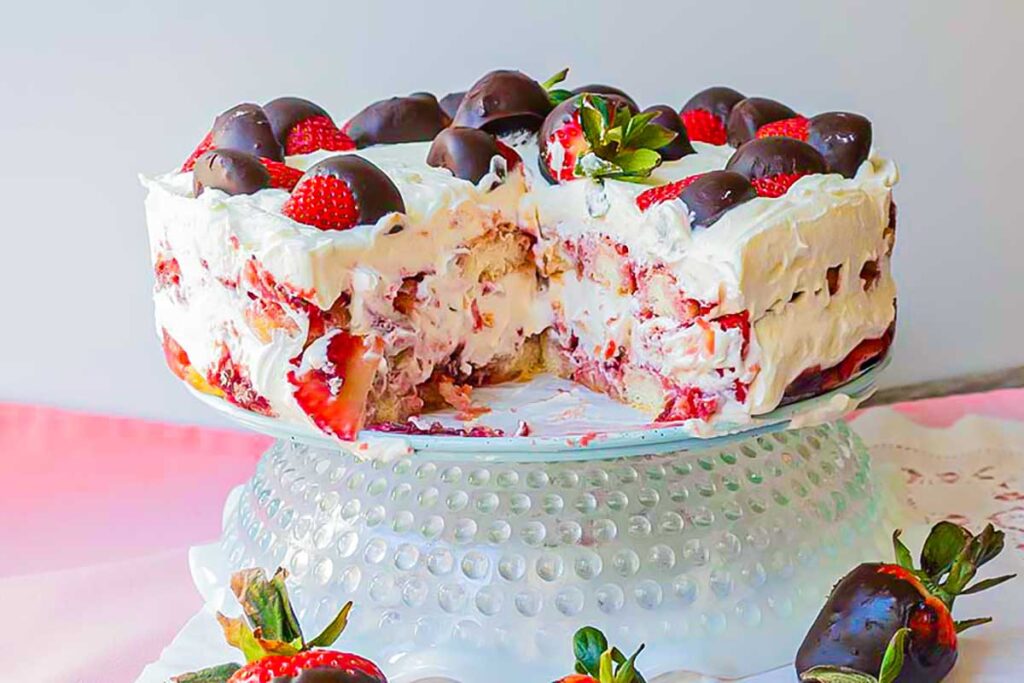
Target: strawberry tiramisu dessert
{"x":704,"y":263}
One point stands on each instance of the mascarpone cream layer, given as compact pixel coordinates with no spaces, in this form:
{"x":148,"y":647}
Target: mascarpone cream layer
{"x":768,"y":256}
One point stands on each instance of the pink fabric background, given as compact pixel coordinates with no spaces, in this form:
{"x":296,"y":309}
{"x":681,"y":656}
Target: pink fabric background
{"x":93,"y":503}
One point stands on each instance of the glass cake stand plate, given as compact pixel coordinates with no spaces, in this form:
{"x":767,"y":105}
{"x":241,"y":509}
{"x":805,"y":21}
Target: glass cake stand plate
{"x":463,"y":552}
{"x":569,"y":422}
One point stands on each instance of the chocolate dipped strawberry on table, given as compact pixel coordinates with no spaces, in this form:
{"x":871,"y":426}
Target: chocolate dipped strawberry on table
{"x":893,"y":622}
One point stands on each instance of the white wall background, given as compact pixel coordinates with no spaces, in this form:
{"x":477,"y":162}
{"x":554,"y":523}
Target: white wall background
{"x":91,"y":95}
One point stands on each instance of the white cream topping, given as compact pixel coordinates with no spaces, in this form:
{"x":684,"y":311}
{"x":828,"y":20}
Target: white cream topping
{"x":755,"y":258}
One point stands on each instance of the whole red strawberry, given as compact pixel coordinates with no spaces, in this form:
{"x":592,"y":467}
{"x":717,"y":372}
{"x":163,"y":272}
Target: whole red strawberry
{"x":596,"y":662}
{"x":892,"y":622}
{"x":272,"y":642}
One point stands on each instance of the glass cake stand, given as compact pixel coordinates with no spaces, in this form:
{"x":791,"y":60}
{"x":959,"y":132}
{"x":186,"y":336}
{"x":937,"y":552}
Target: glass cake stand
{"x":477,"y":558}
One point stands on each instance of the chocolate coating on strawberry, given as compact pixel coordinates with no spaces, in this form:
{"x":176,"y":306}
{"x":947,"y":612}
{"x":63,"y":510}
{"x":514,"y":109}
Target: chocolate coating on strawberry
{"x":230,"y":171}
{"x":844,"y":139}
{"x":719,"y":100}
{"x":466,"y":152}
{"x":373,"y":192}
{"x":750,"y":114}
{"x":711,"y":195}
{"x":246,"y":128}
{"x":601,"y":89}
{"x":415,"y":118}
{"x":864,"y":610}
{"x":666,"y":117}
{"x":503,"y":101}
{"x":450,"y":103}
{"x":775,"y":156}
{"x":285,"y":112}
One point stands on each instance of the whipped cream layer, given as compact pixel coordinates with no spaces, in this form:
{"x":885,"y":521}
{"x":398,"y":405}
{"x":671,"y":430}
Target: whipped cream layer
{"x":767,"y":260}
{"x":218,"y":240}
{"x":769,"y":257}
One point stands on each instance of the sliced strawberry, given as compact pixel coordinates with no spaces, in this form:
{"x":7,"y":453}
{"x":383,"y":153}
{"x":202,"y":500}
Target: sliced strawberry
{"x":772,"y":186}
{"x":865,"y":352}
{"x":179,"y":364}
{"x":167,"y":272}
{"x":740,"y":321}
{"x":335,"y":395}
{"x":282,"y":176}
{"x":177,"y":359}
{"x":740,"y":389}
{"x":314,"y":134}
{"x":795,"y":127}
{"x":233,"y":380}
{"x":689,"y":403}
{"x":512,"y":158}
{"x":703,"y":126}
{"x":664,"y":193}
{"x":264,"y":317}
{"x":325,"y":202}
{"x":204,"y":146}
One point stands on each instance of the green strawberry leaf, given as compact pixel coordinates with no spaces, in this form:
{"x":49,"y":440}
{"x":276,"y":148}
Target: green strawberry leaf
{"x":892,"y":660}
{"x":835,"y":674}
{"x":635,"y":124}
{"x":903,"y":556}
{"x":990,"y":544}
{"x":213,"y":674}
{"x":622,"y":116}
{"x":964,"y":624}
{"x":266,"y":604}
{"x":593,"y":125}
{"x":556,"y":79}
{"x":559,"y":95}
{"x":238,"y":634}
{"x":626,"y":672}
{"x":601,"y":104}
{"x":943,"y":546}
{"x":653,"y":137}
{"x":638,"y":161}
{"x":333,"y":630}
{"x":588,"y":645}
{"x":985,"y":584}
{"x":605,"y":670}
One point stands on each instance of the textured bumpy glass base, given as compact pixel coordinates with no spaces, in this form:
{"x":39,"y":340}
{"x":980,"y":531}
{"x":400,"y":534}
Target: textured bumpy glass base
{"x":718,"y":559}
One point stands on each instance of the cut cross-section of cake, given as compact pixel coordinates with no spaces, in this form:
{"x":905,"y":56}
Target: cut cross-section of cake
{"x":342,"y":287}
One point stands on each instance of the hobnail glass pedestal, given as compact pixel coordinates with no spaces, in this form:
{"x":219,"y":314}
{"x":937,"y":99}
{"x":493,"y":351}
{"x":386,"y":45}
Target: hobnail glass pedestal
{"x":461,"y":567}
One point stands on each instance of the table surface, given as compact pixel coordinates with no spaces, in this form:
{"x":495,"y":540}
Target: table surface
{"x":100,"y":512}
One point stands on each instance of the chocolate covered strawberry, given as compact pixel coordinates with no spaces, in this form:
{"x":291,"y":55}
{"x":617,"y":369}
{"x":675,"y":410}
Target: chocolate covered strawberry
{"x":303,"y":127}
{"x":893,"y":622}
{"x":342,"y":192}
{"x":275,"y":650}
{"x":705,"y":114}
{"x":600,"y":136}
{"x":596,"y":662}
